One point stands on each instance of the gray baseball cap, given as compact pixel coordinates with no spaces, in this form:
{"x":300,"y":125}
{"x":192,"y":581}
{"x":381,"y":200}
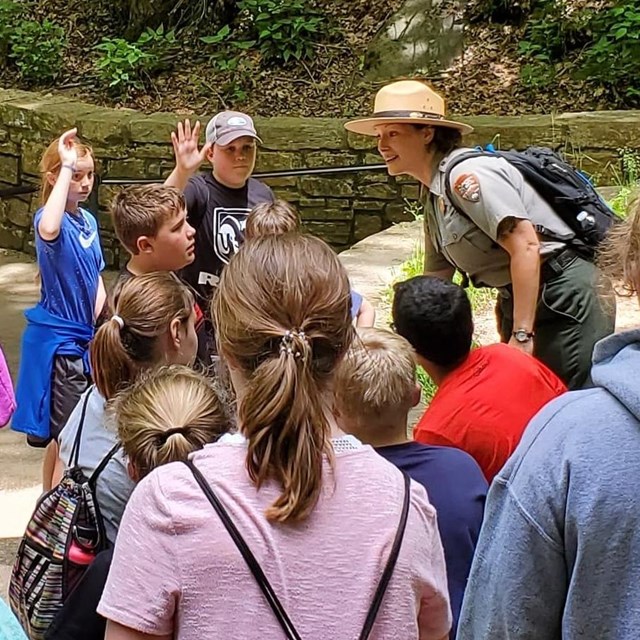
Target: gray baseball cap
{"x":226,"y":126}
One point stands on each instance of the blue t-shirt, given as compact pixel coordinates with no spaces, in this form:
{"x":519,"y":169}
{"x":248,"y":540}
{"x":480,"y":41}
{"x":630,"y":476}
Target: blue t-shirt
{"x":457,"y":489}
{"x":70,"y":267}
{"x":356,"y":303}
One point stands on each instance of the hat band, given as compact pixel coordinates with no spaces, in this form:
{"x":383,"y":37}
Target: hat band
{"x":425,"y":115}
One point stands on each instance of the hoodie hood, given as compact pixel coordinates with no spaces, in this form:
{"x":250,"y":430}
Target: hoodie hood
{"x":616,"y":368}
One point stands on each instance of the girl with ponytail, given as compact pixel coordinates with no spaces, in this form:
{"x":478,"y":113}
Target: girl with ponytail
{"x":319,"y":512}
{"x":153,"y":324}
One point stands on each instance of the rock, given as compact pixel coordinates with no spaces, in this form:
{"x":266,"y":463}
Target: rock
{"x":366,"y":225}
{"x":326,"y":186}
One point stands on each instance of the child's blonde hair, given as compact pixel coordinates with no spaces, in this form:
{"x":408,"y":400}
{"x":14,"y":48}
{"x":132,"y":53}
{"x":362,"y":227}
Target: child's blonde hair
{"x":166,"y":414}
{"x":141,"y":211}
{"x":619,"y":256}
{"x":50,"y":163}
{"x":271,"y":219}
{"x":376,"y":380}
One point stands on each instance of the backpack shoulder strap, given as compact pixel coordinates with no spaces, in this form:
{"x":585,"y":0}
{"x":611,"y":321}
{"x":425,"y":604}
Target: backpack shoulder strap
{"x":265,"y":585}
{"x":75,"y":450}
{"x":103,"y":463}
{"x":252,"y":563}
{"x":391,"y":563}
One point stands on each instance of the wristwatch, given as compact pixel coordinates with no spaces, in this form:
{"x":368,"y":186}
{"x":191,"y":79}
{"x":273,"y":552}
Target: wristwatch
{"x":522,"y":335}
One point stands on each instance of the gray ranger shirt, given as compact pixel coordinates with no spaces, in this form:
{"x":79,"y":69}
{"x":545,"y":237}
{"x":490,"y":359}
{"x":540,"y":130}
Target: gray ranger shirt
{"x":489,"y":190}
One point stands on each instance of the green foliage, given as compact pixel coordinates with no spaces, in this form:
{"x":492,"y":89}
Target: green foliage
{"x":281,"y":30}
{"x":123,"y":65}
{"x":36,"y":48}
{"x":628,"y":181}
{"x":9,"y":13}
{"x":284,"y":29}
{"x":601,"y":47}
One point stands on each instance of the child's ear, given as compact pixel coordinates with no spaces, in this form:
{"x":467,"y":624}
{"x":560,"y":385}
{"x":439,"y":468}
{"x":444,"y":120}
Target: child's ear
{"x":144,"y":245}
{"x":210,"y":153}
{"x":174,"y":332}
{"x":51,"y":177}
{"x":132,"y":471}
{"x":416,"y":394}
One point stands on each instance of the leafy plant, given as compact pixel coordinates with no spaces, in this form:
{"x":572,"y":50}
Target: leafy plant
{"x":285,"y":29}
{"x":36,"y":48}
{"x":123,"y":65}
{"x":281,"y":30}
{"x":10,"y":12}
{"x":599,"y":47}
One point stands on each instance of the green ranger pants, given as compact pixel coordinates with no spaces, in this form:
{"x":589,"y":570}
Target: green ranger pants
{"x":576,"y":308}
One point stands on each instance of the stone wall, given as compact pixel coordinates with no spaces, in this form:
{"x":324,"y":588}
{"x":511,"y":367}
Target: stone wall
{"x":342,"y":209}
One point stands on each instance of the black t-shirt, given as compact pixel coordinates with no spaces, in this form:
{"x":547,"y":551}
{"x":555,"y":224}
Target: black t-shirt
{"x":218,"y":214}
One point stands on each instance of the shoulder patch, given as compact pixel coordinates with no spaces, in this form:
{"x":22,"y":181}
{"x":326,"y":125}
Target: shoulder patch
{"x":467,"y":187}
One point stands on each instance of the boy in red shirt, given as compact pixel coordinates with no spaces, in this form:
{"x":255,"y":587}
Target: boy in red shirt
{"x":485,"y":396}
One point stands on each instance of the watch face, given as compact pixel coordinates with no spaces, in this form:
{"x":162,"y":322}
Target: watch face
{"x":521,"y":336}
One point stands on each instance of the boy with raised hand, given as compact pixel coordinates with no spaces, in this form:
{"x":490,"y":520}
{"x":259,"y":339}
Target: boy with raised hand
{"x":375,"y":389}
{"x":217,"y":201}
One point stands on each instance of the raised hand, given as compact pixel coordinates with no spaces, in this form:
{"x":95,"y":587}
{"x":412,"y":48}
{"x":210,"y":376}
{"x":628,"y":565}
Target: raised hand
{"x":66,"y":149}
{"x":185,"y":147}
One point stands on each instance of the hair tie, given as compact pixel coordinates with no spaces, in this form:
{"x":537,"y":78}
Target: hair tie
{"x":287,"y":344}
{"x":173,"y":430}
{"x":119,"y":321}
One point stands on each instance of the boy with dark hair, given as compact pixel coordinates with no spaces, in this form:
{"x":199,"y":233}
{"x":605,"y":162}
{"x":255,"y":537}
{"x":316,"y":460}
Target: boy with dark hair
{"x":375,"y":389}
{"x":485,"y":396}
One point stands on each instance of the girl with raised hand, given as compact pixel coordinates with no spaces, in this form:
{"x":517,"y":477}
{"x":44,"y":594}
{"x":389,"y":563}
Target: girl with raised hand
{"x":153,"y":323}
{"x":54,"y":368}
{"x":319,"y":511}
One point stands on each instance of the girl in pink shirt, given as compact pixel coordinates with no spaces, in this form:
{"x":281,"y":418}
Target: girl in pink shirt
{"x":318,"y":510}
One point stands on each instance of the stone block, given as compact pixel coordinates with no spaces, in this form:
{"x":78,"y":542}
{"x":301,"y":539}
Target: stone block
{"x":373,"y":158}
{"x":288,"y":194}
{"x":397,"y":212}
{"x":275,"y":161}
{"x":106,"y":195}
{"x":377,"y":191}
{"x":410,"y":191}
{"x":31,"y":155}
{"x":366,"y":225}
{"x":338,"y":233}
{"x":130,"y":168}
{"x":293,"y":134}
{"x":19,"y":213}
{"x":312,"y":202}
{"x":339,"y":203}
{"x":154,"y":128}
{"x":11,"y":238}
{"x":106,"y":128}
{"x":7,"y":146}
{"x":368,"y":205}
{"x":603,"y":167}
{"x":153,"y":152}
{"x":373,"y":176}
{"x":104,"y":220}
{"x":334,"y":187}
{"x":602,"y":129}
{"x":9,"y":169}
{"x":325,"y":213}
{"x":360,"y":142}
{"x":314,"y":159}
{"x":281,"y":182}
{"x":519,"y":132}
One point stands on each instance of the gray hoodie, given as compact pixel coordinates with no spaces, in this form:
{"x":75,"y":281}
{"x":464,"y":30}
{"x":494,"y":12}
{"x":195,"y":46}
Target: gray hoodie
{"x":559,"y":551}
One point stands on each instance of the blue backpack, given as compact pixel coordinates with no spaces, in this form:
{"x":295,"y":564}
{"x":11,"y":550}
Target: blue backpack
{"x":567,"y":191}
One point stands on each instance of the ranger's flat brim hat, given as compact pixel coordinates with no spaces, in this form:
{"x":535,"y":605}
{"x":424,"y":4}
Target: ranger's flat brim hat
{"x":406,"y":102}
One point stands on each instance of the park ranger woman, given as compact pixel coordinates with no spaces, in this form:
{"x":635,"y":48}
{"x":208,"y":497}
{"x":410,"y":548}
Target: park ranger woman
{"x":552,"y":303}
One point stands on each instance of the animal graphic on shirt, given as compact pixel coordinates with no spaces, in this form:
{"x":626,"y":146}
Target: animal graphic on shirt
{"x":228,"y":231}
